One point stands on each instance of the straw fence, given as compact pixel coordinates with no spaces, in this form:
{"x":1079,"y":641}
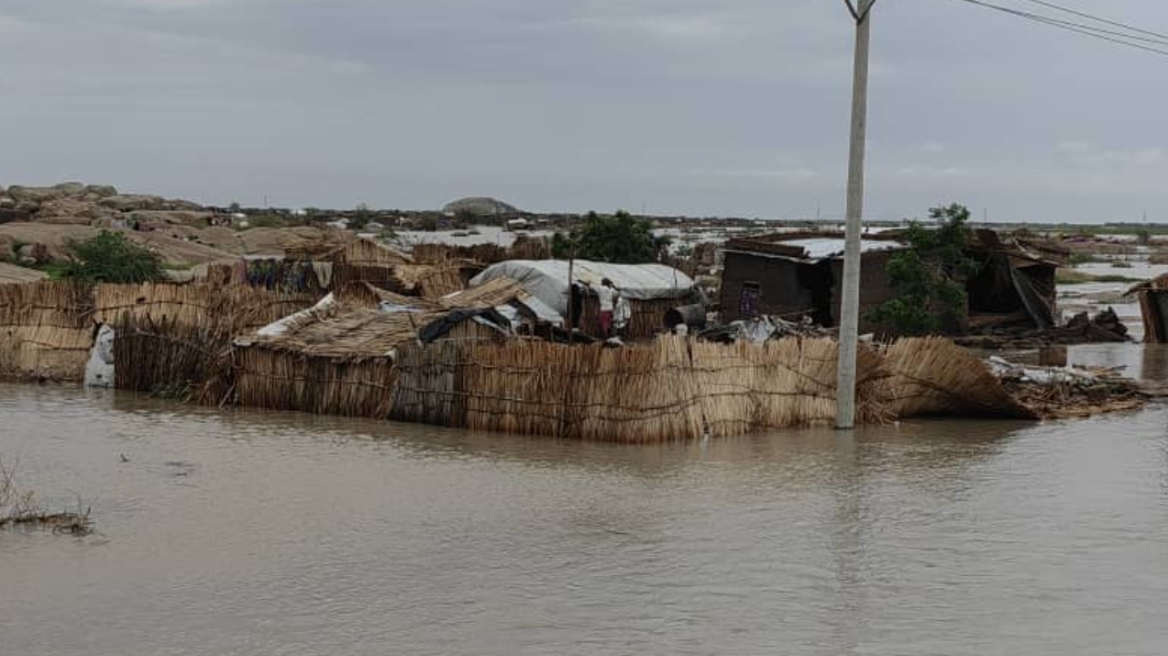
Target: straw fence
{"x":670,"y":389}
{"x":792,"y":382}
{"x":524,"y":248}
{"x":169,"y":336}
{"x":933,"y":376}
{"x":242,"y":308}
{"x":283,"y":380}
{"x":45,"y":330}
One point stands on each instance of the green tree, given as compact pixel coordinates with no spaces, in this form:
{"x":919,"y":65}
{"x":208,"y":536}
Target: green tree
{"x":619,"y":239}
{"x":360,"y":217}
{"x":930,"y":275}
{"x":110,"y":257}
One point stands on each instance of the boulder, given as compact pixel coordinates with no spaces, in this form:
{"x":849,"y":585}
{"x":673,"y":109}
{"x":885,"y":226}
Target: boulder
{"x":34,"y":194}
{"x":179,"y":205}
{"x":70,"y":188}
{"x":171,"y":217}
{"x":27,"y":206}
{"x":7,"y":202}
{"x":131,"y":202}
{"x":101,"y":191}
{"x":64,"y":220}
{"x":76,"y":211}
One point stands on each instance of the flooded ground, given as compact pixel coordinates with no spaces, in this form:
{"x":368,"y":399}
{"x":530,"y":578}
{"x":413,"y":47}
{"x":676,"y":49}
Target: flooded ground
{"x":269,"y":533}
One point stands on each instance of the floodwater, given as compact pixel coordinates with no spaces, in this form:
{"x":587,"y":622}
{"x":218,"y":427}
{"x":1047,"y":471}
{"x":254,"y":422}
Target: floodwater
{"x":268,"y":533}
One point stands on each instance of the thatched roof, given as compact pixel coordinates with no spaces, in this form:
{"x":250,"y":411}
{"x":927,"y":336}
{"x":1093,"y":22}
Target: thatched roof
{"x":363,"y":294}
{"x":10,"y":273}
{"x":492,"y":293}
{"x":345,"y":248}
{"x":345,"y":332}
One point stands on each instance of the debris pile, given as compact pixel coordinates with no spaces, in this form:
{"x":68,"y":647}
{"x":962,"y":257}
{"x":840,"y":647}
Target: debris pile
{"x":1081,"y":329}
{"x":764,"y":328}
{"x":1068,"y":392}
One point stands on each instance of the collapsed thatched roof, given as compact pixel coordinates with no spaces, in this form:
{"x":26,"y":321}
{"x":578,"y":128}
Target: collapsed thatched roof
{"x":492,"y":293}
{"x":363,"y":294}
{"x":344,"y":331}
{"x":345,"y":248}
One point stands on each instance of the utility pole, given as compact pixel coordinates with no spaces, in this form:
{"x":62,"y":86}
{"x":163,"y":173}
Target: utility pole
{"x":849,"y":333}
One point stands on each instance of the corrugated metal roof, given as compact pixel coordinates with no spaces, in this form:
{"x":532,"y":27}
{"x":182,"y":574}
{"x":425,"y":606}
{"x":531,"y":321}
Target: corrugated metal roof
{"x":818,"y":248}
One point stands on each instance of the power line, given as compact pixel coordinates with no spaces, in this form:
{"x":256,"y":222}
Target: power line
{"x":1097,"y":19}
{"x":1086,"y":30}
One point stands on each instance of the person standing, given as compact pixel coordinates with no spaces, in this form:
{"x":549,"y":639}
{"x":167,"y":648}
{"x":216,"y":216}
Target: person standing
{"x":606,"y":294}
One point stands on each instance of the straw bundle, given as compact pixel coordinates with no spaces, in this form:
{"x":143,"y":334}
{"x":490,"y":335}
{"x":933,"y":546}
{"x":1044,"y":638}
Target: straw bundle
{"x":934,"y":376}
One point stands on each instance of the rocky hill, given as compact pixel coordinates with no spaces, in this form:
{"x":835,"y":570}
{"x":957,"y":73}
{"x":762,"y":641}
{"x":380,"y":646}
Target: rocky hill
{"x":480,"y":206}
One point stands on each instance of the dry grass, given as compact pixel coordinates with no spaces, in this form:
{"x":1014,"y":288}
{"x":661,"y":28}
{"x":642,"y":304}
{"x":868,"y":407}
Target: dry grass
{"x":20,"y":508}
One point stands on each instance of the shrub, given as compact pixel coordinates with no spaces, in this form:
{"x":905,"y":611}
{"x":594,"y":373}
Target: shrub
{"x":930,"y":275}
{"x":619,"y":239}
{"x":110,"y":257}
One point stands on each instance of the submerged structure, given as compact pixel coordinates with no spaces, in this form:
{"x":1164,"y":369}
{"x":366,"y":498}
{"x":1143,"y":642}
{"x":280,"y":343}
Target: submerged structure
{"x":795,"y":275}
{"x":1153,"y":299}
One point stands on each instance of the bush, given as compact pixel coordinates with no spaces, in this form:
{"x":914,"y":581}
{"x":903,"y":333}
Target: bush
{"x":619,"y":239}
{"x":110,"y":257}
{"x":930,"y":274}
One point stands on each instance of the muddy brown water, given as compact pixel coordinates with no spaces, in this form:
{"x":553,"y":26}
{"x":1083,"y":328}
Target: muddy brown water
{"x":271,"y":533}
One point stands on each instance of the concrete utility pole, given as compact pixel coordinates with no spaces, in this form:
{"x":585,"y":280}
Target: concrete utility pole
{"x":849,"y":329}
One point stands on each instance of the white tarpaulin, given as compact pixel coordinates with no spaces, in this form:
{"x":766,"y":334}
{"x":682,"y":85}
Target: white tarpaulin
{"x":547,"y":280}
{"x":99,"y":371}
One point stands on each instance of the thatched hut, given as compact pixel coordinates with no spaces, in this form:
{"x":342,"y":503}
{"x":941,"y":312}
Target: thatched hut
{"x":651,"y":289}
{"x":338,"y":357}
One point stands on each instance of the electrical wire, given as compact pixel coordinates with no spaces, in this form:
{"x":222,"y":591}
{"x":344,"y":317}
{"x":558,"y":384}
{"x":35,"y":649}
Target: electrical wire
{"x":1132,"y":28}
{"x":1118,"y":38}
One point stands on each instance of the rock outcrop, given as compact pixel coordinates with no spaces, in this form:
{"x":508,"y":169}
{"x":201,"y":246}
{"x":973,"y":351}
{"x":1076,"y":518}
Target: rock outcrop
{"x":76,"y":203}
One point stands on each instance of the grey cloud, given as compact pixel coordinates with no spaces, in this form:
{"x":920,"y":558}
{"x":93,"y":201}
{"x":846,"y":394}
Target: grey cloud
{"x":735,"y":107}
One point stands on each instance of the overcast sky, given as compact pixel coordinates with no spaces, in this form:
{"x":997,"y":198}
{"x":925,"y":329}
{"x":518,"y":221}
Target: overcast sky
{"x":701,"y":107}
